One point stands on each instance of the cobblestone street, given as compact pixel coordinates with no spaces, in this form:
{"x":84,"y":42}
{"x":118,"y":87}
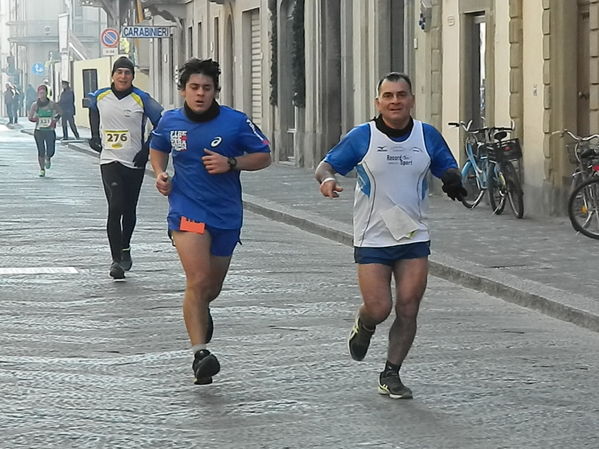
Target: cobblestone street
{"x":87,"y":362}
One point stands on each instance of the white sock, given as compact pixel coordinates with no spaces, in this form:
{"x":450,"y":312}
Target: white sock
{"x":196,"y":348}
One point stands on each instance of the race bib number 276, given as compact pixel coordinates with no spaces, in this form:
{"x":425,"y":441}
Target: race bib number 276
{"x":116,"y":139}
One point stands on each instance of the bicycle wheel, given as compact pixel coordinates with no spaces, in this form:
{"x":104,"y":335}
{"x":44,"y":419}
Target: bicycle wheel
{"x":583,"y":208}
{"x":515,"y":194}
{"x":497,"y":189}
{"x":472,"y":184}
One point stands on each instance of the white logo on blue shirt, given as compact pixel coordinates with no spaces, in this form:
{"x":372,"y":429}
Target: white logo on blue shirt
{"x":253,"y":127}
{"x":216,"y":141}
{"x":179,"y":140}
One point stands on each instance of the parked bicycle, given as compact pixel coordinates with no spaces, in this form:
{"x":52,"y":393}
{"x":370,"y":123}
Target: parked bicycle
{"x":504,"y":179}
{"x":581,"y":151}
{"x":474,"y":171}
{"x":490,"y":167}
{"x":583,"y":202}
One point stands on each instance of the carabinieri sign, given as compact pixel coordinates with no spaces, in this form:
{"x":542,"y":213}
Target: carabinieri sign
{"x":145,"y":31}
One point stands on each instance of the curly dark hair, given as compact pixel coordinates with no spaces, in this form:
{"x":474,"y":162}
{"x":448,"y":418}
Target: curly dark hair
{"x":192,"y":66}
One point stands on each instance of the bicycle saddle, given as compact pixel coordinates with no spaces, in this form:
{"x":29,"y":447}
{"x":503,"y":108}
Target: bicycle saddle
{"x":500,"y":135}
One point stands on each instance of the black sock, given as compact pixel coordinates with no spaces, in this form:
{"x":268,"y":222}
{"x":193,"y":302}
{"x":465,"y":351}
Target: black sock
{"x":391,"y":367}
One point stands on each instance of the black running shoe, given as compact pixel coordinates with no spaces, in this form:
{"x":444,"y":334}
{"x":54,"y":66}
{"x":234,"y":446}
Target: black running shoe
{"x":205,"y":365}
{"x":116,"y":271}
{"x":126,"y":261}
{"x":210,"y":329}
{"x":359,"y":340}
{"x":391,"y":385}
{"x":203,"y":380}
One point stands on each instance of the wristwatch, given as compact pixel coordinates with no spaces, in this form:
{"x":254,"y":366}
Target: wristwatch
{"x":232,"y":163}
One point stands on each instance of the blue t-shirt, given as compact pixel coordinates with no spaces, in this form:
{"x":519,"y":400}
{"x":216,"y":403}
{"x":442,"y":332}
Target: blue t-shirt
{"x":196,"y":194}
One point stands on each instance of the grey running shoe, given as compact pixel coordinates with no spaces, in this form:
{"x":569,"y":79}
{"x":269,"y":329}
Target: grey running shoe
{"x":126,"y":261}
{"x":48,"y":163}
{"x":359,"y":340}
{"x":116,"y":271}
{"x":390,"y":384}
{"x":205,"y":365}
{"x":210,"y":329}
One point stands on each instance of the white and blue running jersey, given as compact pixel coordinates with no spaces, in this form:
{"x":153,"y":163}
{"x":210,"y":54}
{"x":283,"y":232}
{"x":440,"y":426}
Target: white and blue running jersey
{"x":122,"y":123}
{"x":197,"y":195}
{"x":391,"y":197}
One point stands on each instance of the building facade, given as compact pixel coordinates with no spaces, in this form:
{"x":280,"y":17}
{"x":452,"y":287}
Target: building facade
{"x":306,"y":70}
{"x":534,"y":63}
{"x":44,"y":43}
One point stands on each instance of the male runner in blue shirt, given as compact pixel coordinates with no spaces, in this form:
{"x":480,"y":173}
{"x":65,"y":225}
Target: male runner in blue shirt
{"x":393,"y":155}
{"x":210,"y":144}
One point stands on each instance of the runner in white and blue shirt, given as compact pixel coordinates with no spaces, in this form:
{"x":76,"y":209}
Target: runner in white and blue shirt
{"x":392,"y":155}
{"x":392,"y":170}
{"x":118,"y":116}
{"x":210,"y":144}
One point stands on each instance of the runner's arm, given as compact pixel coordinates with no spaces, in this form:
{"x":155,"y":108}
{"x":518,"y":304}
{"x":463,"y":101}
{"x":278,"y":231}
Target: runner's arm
{"x":32,"y":116}
{"x":253,"y":161}
{"x":216,"y":163}
{"x":94,"y":122}
{"x":159,"y":161}
{"x":325,"y":175}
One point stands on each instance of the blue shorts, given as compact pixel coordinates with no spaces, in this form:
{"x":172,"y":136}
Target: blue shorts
{"x":224,"y":241}
{"x":388,"y":255}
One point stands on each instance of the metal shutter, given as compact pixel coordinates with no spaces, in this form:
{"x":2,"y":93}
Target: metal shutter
{"x":256,"y":68}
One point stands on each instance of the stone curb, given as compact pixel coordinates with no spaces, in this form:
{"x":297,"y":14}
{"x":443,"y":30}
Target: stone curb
{"x":573,"y":308}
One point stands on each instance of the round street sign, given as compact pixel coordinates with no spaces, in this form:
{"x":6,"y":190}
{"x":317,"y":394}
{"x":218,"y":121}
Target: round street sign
{"x":38,"y":69}
{"x":109,"y":38}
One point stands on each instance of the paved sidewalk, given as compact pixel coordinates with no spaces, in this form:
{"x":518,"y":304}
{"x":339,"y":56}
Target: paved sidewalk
{"x":536,"y":262}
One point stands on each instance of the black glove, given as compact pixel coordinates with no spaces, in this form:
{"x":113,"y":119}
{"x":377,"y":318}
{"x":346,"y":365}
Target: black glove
{"x":141,"y":158}
{"x":95,"y":143}
{"x":452,"y":185}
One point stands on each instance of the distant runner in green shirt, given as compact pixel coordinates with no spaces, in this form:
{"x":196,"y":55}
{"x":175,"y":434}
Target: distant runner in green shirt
{"x":44,"y":112}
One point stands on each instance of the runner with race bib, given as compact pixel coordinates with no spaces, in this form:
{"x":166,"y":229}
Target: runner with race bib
{"x":44,"y":113}
{"x":117,"y":116}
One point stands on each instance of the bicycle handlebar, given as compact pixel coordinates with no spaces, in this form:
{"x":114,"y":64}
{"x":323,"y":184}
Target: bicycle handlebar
{"x":490,"y":129}
{"x":575,"y":137}
{"x":464,"y":125}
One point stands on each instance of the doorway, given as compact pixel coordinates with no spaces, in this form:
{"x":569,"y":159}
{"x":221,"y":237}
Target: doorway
{"x":287,"y":111}
{"x":229,"y":69}
{"x":583,"y":68}
{"x":475,"y":70}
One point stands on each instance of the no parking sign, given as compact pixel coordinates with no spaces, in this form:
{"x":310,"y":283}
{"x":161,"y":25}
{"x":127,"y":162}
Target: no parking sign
{"x":109,"y":38}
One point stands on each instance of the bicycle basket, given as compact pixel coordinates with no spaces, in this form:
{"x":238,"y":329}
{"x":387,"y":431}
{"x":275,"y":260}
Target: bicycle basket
{"x":506,"y":150}
{"x":575,"y":153}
